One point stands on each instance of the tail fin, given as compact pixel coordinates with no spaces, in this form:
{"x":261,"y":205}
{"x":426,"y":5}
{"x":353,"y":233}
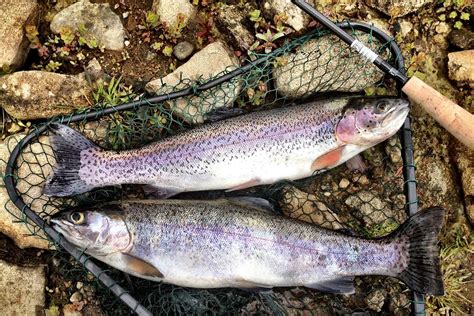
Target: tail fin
{"x":423,"y":273}
{"x":65,"y":179}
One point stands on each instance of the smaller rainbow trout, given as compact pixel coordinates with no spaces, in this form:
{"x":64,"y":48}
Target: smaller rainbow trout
{"x":257,"y":148}
{"x":227,"y":243}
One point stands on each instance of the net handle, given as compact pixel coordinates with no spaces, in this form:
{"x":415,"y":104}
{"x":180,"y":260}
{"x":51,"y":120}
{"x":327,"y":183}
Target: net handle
{"x":457,"y":121}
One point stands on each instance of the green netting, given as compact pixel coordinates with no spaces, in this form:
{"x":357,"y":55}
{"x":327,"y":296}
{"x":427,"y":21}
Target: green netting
{"x":370,"y":204}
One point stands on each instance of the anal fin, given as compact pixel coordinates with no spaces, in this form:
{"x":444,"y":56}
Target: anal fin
{"x":245,"y":185}
{"x":344,"y":285}
{"x":253,"y":202}
{"x":246,"y":284}
{"x":160,"y":193}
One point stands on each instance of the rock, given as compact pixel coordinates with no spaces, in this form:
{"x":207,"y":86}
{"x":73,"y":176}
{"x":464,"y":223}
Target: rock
{"x":319,"y":66}
{"x":183,"y":50}
{"x":297,"y":19}
{"x":79,"y":285}
{"x":375,"y":300}
{"x":29,"y":95}
{"x":465,"y":163}
{"x":74,"y":309}
{"x":405,"y":27}
{"x":171,"y":12}
{"x":75,"y":297}
{"x":29,"y":182}
{"x":14,"y":46}
{"x":100,"y":22}
{"x":344,"y":183}
{"x":93,"y":70}
{"x":371,"y":207}
{"x":461,"y":66}
{"x":442,"y":28}
{"x":307,"y":207}
{"x":470,"y":211}
{"x":21,"y":289}
{"x":462,"y":38}
{"x":397,"y":8}
{"x":394,"y":150}
{"x":232,"y":21}
{"x":210,"y":62}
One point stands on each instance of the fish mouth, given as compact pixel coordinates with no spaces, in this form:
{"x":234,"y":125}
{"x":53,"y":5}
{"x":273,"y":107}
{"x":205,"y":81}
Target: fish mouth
{"x":397,"y":115}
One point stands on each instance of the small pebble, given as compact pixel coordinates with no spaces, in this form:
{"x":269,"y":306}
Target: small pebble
{"x":125,"y":14}
{"x":79,"y":285}
{"x":76,"y":297}
{"x":344,"y":183}
{"x":183,"y":50}
{"x":363,"y":180}
{"x":127,"y":43}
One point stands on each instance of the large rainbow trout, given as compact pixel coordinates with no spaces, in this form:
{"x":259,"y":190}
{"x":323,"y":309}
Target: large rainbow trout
{"x":258,"y":148}
{"x":226,"y":243}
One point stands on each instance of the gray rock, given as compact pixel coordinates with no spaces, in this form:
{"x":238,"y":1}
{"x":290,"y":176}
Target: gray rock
{"x":183,"y":50}
{"x":461,"y":66}
{"x":14,"y":46}
{"x":232,"y":20}
{"x":100,"y":22}
{"x":211,"y":61}
{"x":297,"y":19}
{"x":21,"y":289}
{"x":169,"y":11}
{"x":462,"y":38}
{"x":325,"y":64}
{"x":93,"y":70}
{"x":29,"y":95}
{"x":29,"y":181}
{"x":397,"y":8}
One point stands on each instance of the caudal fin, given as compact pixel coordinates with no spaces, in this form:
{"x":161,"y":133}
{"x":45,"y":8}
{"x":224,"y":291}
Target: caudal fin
{"x":423,"y":273}
{"x":67,"y":145}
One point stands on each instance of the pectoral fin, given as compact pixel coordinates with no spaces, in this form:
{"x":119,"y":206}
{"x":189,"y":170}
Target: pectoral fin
{"x":343,"y":285}
{"x":328,"y":160}
{"x":141,"y":267}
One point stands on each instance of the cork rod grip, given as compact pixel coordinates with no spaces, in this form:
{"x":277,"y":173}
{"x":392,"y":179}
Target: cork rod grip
{"x":455,"y":119}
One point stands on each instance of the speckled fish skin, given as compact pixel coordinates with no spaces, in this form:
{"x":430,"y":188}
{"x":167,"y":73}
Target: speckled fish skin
{"x":220,"y":243}
{"x":257,"y":148}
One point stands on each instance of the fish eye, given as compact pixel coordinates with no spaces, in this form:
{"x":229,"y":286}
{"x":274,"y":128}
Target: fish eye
{"x":382,"y":106}
{"x":77,"y":218}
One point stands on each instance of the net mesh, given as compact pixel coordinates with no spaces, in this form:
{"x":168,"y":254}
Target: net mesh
{"x":369,"y":203}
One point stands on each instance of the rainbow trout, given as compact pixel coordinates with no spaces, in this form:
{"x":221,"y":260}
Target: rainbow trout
{"x":258,"y":148}
{"x":223,"y":243}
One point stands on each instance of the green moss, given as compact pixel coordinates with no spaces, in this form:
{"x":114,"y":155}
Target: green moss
{"x":380,"y":230}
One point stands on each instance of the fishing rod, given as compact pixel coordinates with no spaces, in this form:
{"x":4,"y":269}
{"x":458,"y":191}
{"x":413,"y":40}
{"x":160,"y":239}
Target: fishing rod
{"x":456,"y":120}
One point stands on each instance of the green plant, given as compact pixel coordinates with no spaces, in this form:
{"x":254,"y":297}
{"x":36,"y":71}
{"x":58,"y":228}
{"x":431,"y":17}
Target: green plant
{"x":53,"y":66}
{"x":112,"y":93}
{"x":456,"y":276}
{"x":151,"y":20}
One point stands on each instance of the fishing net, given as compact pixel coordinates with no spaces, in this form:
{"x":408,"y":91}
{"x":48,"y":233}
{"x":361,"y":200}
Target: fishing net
{"x":370,"y":203}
